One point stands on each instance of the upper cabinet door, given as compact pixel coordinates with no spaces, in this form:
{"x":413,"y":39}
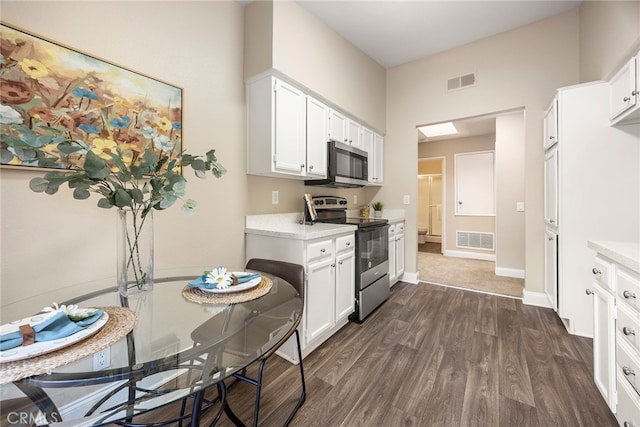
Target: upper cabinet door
{"x":354,"y":134}
{"x":317,"y":137}
{"x":337,"y":126}
{"x":551,"y":124}
{"x":623,"y":89}
{"x":290,"y":129}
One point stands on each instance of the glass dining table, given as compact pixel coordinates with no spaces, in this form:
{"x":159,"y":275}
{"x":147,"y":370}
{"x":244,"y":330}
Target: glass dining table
{"x":171,"y":348}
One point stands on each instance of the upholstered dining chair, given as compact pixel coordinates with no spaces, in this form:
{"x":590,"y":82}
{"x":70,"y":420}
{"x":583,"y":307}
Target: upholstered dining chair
{"x":294,"y":274}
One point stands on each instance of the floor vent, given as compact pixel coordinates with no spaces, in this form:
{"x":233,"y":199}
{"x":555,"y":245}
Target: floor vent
{"x":475,"y":240}
{"x":461,"y":82}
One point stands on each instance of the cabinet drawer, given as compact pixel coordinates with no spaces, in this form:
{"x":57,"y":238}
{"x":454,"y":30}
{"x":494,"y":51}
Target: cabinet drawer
{"x":319,"y":250}
{"x":345,"y":243}
{"x":628,"y":287}
{"x":603,"y":272}
{"x":628,"y":326}
{"x":628,"y":409}
{"x":628,"y":364}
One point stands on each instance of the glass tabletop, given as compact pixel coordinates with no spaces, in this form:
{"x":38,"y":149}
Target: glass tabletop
{"x":177,"y":346}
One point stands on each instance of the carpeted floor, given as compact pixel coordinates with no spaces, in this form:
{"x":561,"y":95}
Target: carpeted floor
{"x":466,"y":273}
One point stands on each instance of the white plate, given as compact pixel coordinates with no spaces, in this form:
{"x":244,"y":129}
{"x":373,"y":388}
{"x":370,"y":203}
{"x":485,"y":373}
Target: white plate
{"x":42,"y":347}
{"x":241,"y":287}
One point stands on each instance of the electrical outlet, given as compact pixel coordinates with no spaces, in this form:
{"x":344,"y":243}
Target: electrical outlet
{"x":355,"y":199}
{"x":275,"y":197}
{"x":102,"y":359}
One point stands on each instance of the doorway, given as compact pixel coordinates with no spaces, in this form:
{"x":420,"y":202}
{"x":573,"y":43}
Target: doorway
{"x":430,"y":204}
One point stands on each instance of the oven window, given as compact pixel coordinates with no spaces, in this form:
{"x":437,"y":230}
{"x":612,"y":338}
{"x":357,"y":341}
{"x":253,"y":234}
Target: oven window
{"x":373,"y":247}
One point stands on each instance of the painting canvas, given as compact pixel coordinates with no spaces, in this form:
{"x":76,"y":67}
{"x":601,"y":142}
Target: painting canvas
{"x":52,"y":93}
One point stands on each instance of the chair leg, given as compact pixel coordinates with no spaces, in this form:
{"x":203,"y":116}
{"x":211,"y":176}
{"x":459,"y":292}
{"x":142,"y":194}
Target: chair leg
{"x":303,"y":395}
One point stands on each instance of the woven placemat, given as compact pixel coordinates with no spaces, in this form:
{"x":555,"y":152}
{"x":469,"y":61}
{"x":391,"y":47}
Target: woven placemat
{"x":121,"y":321}
{"x":204,"y":297}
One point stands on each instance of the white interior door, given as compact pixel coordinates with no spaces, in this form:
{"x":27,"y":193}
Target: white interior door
{"x":474,"y":181}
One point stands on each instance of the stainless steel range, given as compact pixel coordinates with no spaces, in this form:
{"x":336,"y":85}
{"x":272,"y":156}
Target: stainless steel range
{"x":372,"y":253}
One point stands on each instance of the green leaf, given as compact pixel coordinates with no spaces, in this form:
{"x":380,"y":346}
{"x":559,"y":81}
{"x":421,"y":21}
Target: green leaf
{"x":68,"y":147}
{"x":81,"y":194}
{"x":137,"y":196}
{"x":167,"y":201}
{"x":96,"y":167}
{"x":211,"y":156}
{"x":122,"y":198}
{"x":105,"y":203}
{"x":199,"y":165}
{"x":38,"y":184}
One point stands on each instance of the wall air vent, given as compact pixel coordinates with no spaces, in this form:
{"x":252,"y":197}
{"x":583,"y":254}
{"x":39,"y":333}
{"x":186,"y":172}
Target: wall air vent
{"x":461,"y":82}
{"x":475,"y":240}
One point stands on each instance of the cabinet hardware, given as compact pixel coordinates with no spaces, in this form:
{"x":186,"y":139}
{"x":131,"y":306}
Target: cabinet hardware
{"x":552,"y":137}
{"x":588,"y":292}
{"x":550,"y":238}
{"x":628,"y":294}
{"x":551,"y":221}
{"x":628,"y":331}
{"x":348,"y":244}
{"x":311,"y":167}
{"x":634,"y":93}
{"x":626,"y":99}
{"x":628,"y":371}
{"x":460,"y":202}
{"x":596,"y":271}
{"x":627,"y":424}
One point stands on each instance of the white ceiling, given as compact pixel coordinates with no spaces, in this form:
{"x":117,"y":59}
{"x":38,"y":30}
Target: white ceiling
{"x":393,"y":32}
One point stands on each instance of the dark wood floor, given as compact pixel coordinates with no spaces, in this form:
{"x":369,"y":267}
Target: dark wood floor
{"x":436,"y":356}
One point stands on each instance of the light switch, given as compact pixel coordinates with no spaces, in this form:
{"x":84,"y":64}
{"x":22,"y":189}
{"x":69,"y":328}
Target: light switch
{"x":520,"y":206}
{"x":275,"y":197}
{"x":407,"y":199}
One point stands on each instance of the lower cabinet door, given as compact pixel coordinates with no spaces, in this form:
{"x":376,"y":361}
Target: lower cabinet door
{"x":319,"y":308}
{"x":604,"y":344}
{"x":345,"y":286}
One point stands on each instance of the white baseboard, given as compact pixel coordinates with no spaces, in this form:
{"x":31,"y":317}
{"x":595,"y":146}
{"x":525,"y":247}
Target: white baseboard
{"x":471,"y":255}
{"x":510,"y":272}
{"x":410,"y":278}
{"x":539,"y":299}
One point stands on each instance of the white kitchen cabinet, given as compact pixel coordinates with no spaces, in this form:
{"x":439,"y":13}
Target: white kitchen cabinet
{"x":345,"y":265}
{"x":337,"y":126}
{"x":354,"y":134}
{"x":276,"y":128}
{"x":551,"y":268}
{"x":593,"y":160}
{"x":396,"y":252}
{"x":624,"y":98}
{"x":317,"y":136}
{"x":616,"y":344}
{"x":329,"y":264}
{"x":551,"y":188}
{"x":604,"y":344}
{"x":319,"y":316}
{"x":551,"y":124}
{"x":372,"y":143}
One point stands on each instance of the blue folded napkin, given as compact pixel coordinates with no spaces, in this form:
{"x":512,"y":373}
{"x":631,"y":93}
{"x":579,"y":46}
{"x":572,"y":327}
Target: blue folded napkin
{"x":201,"y":282}
{"x":56,"y":327}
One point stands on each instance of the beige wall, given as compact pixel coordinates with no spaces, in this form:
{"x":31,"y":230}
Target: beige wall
{"x":51,"y":242}
{"x":447,"y":149}
{"x":609,"y":36}
{"x":513,"y":71}
{"x":510,"y":189}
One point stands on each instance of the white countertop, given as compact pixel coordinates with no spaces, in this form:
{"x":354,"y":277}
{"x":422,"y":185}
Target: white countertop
{"x":287,"y":225}
{"x":624,"y":253}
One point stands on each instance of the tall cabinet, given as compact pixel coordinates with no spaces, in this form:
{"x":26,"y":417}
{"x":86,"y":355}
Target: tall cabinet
{"x":591,"y":192}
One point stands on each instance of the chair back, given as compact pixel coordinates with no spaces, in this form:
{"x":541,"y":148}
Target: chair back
{"x":292,"y":273}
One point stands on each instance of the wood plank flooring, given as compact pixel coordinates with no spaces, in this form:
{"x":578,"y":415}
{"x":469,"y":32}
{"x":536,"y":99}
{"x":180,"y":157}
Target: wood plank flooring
{"x":437,"y":356}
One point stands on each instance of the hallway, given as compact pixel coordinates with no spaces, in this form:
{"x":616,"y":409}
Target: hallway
{"x":433,"y":267}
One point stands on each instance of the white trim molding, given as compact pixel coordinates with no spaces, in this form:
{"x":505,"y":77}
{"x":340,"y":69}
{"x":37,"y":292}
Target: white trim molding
{"x":539,"y":299}
{"x":510,"y":272}
{"x":410,"y":278}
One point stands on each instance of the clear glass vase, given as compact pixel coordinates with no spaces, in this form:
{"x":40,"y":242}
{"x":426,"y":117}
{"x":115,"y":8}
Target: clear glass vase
{"x":135,"y":251}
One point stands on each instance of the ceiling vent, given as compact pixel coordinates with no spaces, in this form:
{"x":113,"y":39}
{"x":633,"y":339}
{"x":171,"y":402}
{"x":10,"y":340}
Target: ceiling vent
{"x":461,"y":82}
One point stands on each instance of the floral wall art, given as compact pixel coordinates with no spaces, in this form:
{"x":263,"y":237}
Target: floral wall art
{"x":65,"y":103}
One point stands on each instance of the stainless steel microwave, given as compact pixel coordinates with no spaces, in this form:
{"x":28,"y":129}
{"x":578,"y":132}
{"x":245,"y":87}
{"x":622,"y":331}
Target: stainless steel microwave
{"x":347,"y":167}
